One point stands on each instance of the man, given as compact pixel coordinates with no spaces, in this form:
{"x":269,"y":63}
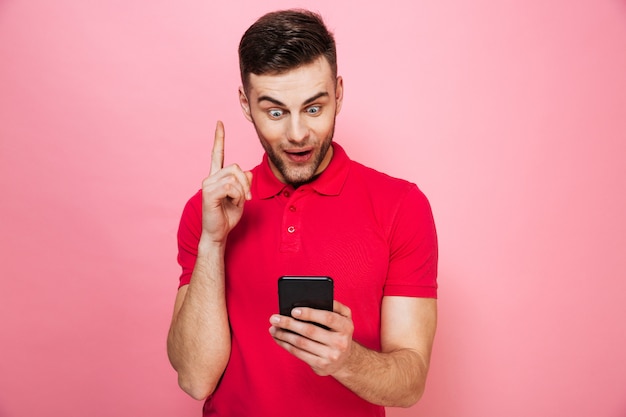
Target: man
{"x":307,"y":209}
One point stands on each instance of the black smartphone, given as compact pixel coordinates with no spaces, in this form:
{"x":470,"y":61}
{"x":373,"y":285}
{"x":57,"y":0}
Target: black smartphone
{"x":304,"y":291}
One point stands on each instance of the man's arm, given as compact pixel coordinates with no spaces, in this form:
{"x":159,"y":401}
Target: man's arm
{"x":395,"y":376}
{"x":198,"y":343}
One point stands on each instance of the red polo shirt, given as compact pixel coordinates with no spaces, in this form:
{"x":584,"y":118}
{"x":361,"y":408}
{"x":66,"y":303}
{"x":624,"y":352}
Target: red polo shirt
{"x":373,"y":234}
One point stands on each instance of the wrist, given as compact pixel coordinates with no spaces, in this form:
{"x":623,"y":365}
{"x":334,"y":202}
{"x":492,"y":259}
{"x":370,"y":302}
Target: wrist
{"x":352,"y":364}
{"x":208,"y":246}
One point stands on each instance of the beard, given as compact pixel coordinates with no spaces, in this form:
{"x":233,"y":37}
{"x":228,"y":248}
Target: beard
{"x":298,"y":174}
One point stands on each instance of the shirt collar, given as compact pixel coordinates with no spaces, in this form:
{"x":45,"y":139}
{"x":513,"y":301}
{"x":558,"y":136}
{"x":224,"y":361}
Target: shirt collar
{"x":329,"y":182}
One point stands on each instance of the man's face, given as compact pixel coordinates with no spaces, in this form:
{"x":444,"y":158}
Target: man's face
{"x":294,"y":116}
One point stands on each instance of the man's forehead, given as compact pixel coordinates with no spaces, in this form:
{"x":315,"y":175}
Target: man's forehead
{"x":305,"y":81}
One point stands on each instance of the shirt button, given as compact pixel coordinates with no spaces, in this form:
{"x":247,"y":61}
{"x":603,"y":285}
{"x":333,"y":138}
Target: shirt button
{"x":286,"y":193}
{"x":292,"y":208}
{"x":291,"y":229}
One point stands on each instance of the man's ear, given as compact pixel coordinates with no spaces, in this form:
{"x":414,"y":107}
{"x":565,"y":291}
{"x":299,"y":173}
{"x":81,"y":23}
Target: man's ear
{"x":244,"y":103}
{"x":339,"y":94}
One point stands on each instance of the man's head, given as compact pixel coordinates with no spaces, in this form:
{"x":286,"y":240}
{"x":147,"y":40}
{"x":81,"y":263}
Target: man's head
{"x":284,"y":40}
{"x":291,"y":92}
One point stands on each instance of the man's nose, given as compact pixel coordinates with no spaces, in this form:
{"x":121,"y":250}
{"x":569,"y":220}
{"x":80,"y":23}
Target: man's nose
{"x":298,"y":130}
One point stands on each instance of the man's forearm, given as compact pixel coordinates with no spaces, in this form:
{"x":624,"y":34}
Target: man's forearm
{"x":394,"y":379}
{"x":199,"y":337}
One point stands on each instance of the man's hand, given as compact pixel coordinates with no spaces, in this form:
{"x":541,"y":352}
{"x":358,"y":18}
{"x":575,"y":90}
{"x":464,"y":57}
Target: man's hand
{"x":198,"y":342}
{"x":395,"y":376}
{"x":325,"y":351}
{"x":224,"y":193}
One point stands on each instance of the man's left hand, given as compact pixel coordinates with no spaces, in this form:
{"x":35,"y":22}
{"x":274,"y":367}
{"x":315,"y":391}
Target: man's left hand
{"x":325,"y":351}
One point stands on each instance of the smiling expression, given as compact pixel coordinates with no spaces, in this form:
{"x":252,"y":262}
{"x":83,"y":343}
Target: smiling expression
{"x":294,"y":116}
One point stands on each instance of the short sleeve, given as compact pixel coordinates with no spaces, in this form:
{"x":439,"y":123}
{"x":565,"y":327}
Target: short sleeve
{"x":189,"y":231}
{"x":413,"y":249}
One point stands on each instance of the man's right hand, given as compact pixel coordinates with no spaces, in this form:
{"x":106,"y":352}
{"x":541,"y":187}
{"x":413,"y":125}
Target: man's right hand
{"x":224,"y":193}
{"x":198,"y":343}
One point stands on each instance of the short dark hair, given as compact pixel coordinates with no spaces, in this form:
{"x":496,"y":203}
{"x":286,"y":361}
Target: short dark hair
{"x":283,"y":40}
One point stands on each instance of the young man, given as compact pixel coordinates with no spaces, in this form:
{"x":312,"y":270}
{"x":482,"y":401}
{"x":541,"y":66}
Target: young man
{"x":307,"y":209}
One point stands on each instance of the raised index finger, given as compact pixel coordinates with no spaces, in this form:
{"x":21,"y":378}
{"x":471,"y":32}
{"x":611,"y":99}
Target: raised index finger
{"x":217,"y":155}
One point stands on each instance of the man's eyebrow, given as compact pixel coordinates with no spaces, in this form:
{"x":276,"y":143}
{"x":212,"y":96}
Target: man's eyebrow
{"x":271,"y":100}
{"x":315,"y":97}
{"x":280,"y":103}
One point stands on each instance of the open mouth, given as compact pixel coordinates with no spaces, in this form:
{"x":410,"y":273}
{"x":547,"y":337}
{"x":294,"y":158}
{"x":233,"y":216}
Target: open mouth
{"x":299,"y":156}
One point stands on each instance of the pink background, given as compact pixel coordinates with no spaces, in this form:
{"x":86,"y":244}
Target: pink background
{"x":511,"y":116}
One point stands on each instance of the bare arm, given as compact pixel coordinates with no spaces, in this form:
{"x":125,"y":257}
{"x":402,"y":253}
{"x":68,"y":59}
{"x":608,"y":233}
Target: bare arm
{"x":395,"y":376}
{"x":198,"y":342}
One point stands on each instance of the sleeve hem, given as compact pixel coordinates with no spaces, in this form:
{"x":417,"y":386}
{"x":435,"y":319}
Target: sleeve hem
{"x":410,"y":291}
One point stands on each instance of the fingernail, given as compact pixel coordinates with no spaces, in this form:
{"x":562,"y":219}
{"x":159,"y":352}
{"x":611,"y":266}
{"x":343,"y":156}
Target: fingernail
{"x":275,"y":319}
{"x":296,"y":312}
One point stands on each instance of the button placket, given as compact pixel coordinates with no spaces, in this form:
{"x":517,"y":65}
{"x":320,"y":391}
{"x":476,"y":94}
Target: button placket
{"x":290,"y":233}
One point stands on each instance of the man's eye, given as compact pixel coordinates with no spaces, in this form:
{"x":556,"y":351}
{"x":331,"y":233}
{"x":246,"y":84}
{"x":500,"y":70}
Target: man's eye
{"x":313,"y":109}
{"x":275,"y":114}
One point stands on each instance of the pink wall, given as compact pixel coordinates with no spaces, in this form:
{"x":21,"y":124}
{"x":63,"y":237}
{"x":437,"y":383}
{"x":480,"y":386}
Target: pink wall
{"x":510,"y":115}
